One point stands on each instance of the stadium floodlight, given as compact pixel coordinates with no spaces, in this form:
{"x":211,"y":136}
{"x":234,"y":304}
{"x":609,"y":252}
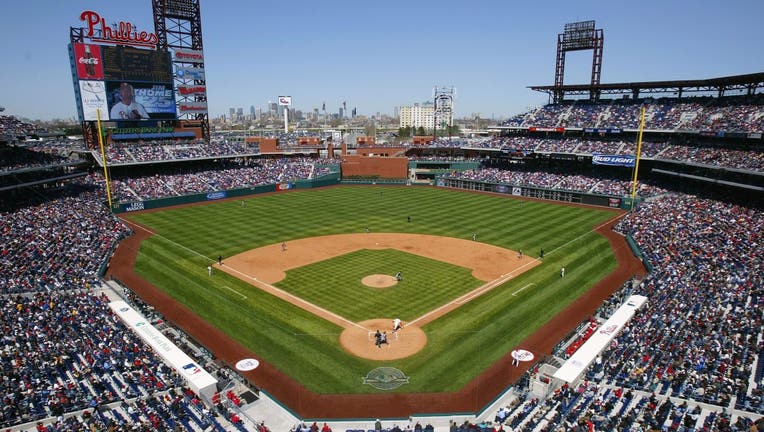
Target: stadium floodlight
{"x":577,"y":36}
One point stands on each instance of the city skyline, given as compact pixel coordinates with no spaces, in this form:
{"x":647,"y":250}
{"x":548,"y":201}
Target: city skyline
{"x":379,"y":57}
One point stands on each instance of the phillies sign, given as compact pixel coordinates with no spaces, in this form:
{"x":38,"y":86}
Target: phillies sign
{"x":120,"y":32}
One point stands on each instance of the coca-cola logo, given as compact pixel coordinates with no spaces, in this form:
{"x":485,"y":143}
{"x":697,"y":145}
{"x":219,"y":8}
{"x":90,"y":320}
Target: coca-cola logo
{"x":121,"y":32}
{"x":92,"y":60}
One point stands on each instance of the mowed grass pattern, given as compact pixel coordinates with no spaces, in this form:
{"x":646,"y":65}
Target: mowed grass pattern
{"x":460,"y":344}
{"x":335,"y":284}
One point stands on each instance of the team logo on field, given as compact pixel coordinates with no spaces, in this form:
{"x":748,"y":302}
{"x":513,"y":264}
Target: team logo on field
{"x":386,"y":378}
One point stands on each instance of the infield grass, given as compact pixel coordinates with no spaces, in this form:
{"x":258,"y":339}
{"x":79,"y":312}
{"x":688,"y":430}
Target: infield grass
{"x":460,"y":344}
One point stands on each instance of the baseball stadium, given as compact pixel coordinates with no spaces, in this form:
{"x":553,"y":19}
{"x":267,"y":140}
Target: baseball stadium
{"x":589,"y":264}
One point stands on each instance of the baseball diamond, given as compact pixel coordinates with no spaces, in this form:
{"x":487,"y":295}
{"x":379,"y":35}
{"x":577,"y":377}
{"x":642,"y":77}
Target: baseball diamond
{"x":497,"y":301}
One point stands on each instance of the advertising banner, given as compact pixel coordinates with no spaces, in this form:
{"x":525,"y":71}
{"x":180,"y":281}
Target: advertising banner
{"x":192,"y":107}
{"x":192,"y":90}
{"x":188,"y":56}
{"x":93,"y":96}
{"x":140,"y":101}
{"x":285,"y":100}
{"x":614,"y":160}
{"x":190,"y":73}
{"x":87,"y":58}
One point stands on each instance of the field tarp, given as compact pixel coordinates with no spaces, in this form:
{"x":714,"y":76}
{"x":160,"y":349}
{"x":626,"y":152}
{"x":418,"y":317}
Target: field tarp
{"x":198,"y":379}
{"x":575,"y":366}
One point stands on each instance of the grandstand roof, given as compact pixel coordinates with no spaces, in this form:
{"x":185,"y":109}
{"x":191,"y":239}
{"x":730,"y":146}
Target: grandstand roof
{"x":748,"y":83}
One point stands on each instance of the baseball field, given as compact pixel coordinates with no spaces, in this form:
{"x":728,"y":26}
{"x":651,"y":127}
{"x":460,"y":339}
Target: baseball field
{"x":307,"y":276}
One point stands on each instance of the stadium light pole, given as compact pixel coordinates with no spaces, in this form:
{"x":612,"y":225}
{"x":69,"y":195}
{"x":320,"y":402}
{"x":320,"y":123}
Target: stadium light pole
{"x":636,"y":162}
{"x":103,"y":158}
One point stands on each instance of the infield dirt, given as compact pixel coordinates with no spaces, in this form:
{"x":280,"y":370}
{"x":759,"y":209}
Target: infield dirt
{"x":266,"y":265}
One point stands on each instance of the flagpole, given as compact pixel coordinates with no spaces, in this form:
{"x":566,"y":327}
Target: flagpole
{"x":636,"y":163}
{"x":103,"y":158}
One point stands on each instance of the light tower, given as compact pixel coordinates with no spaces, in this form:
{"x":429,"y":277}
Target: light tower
{"x":178,"y":25}
{"x":443,"y":108}
{"x":579,"y":36}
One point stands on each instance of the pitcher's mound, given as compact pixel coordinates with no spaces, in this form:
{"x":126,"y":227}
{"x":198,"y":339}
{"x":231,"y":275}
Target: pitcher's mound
{"x":379,"y":281}
{"x":360,"y":341}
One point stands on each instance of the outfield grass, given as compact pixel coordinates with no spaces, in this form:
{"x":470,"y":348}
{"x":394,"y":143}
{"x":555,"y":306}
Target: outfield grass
{"x":460,"y":344}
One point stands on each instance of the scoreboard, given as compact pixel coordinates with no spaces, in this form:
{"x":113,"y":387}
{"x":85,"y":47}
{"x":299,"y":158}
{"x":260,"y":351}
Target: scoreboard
{"x":122,"y":63}
{"x":108,"y":77}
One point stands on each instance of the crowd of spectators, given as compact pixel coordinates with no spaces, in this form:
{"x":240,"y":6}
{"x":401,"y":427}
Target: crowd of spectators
{"x":157,"y":151}
{"x":13,"y":158}
{"x":58,"y":244}
{"x":738,"y":114}
{"x":15,"y":128}
{"x":65,"y":351}
{"x":226,"y":175}
{"x":592,"y":183}
{"x":692,"y":358}
{"x":703,"y":153}
{"x":701,"y":330}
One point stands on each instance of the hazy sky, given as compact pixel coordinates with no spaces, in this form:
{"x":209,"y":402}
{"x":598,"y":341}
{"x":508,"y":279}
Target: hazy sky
{"x":378,"y":55}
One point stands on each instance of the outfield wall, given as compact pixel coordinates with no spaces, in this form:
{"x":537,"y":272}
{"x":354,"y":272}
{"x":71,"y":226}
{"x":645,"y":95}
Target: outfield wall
{"x":131,"y":206}
{"x":538,"y":192}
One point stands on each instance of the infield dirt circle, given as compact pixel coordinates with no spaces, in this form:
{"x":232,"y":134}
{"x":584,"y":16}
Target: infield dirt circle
{"x":379,"y":281}
{"x":360,"y":341}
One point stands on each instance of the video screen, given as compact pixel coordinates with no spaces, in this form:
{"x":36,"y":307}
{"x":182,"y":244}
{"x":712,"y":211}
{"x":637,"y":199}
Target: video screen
{"x":121,"y":63}
{"x":135,"y":101}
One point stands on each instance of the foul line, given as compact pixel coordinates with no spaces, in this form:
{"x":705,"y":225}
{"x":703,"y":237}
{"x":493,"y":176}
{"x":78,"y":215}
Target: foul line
{"x":585,"y":234}
{"x":297,"y":301}
{"x":466,"y":298}
{"x":171,"y":241}
{"x":514,"y":294}
{"x":231,"y":289}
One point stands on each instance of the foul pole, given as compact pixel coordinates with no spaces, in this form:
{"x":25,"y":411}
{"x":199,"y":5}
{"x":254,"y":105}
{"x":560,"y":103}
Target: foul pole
{"x":636,"y":162}
{"x":103,"y":158}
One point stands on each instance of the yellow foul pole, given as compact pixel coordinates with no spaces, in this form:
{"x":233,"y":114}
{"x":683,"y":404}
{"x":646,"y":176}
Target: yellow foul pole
{"x":103,"y":158}
{"x":636,"y":162}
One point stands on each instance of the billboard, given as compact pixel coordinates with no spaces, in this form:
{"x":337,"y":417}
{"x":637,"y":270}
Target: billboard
{"x":92,"y":99}
{"x":123,"y":83}
{"x":133,"y":101}
{"x":192,"y":90}
{"x":614,"y":160}
{"x":285,"y":100}
{"x":88,"y":61}
{"x":190,"y":73}
{"x":192,"y":107}
{"x":188,"y":56}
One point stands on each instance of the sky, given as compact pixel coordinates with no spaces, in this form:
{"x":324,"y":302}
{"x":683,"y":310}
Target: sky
{"x":379,"y":55}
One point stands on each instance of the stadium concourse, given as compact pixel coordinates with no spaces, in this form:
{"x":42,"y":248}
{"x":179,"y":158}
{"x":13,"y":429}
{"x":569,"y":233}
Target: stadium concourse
{"x":691,"y":359}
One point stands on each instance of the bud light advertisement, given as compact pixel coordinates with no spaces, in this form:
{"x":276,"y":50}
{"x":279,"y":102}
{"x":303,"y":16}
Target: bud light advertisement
{"x":614,"y":160}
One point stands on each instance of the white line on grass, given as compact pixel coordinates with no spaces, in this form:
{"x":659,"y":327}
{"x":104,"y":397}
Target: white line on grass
{"x":231,"y":289}
{"x":298,"y":300}
{"x":584,"y":234}
{"x":173,"y":242}
{"x":514,"y":294}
